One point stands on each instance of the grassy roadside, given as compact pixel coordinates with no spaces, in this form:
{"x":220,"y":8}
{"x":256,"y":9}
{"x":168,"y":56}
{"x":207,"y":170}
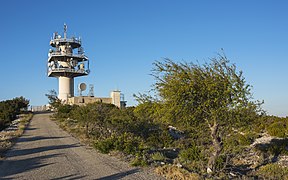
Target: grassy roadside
{"x":8,"y":138}
{"x":74,"y":129}
{"x":152,"y":160}
{"x":252,"y":152}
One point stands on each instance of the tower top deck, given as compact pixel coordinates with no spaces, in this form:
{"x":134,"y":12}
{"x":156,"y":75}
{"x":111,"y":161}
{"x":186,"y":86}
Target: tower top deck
{"x":58,"y":40}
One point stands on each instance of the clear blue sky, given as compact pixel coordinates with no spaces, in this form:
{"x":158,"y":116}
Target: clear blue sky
{"x":123,"y":39}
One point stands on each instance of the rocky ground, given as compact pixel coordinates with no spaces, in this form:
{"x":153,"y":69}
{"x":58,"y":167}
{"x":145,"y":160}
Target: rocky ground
{"x":266,"y":140}
{"x":256,"y":155}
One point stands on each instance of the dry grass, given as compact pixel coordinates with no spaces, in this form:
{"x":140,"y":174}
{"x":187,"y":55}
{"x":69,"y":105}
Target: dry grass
{"x":74,"y":130}
{"x":7,"y":139}
{"x":175,"y":173}
{"x":273,"y":171}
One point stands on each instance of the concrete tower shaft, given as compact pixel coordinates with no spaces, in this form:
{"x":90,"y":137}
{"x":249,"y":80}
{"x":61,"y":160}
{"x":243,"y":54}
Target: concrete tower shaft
{"x":66,"y":87}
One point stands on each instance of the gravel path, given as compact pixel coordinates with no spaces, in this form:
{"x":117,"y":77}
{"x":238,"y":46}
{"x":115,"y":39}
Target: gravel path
{"x":47,"y":152}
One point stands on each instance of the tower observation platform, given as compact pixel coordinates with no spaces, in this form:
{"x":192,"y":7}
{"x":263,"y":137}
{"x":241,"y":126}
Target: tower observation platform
{"x":66,"y":60}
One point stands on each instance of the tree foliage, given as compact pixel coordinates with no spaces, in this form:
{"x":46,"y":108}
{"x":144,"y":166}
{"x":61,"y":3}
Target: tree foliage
{"x":213,"y":97}
{"x":193,"y":93}
{"x":10,"y":108}
{"x":53,"y":99}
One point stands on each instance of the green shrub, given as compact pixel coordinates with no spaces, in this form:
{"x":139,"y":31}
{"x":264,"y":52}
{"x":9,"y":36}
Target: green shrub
{"x":159,"y":139}
{"x":277,"y":129}
{"x":119,"y":143}
{"x":273,"y":171}
{"x":63,"y":110}
{"x":9,"y":109}
{"x":220,"y":162}
{"x":246,"y":139}
{"x":126,"y":143}
{"x":158,"y":156}
{"x":235,"y":143}
{"x":139,"y":161}
{"x":193,"y":153}
{"x":243,"y":140}
{"x":251,"y":136}
{"x":275,"y":147}
{"x":192,"y":158}
{"x":2,"y":124}
{"x":230,"y":142}
{"x":278,"y":147}
{"x":105,"y":146}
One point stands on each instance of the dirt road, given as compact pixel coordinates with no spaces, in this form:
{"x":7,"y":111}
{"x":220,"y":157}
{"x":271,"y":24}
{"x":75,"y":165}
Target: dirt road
{"x":47,"y":152}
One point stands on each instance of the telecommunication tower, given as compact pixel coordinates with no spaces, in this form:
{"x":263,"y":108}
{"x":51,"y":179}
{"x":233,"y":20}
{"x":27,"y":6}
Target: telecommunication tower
{"x":66,"y":60}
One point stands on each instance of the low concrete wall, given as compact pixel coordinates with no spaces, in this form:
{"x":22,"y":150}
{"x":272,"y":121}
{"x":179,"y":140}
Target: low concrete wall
{"x":82,"y":100}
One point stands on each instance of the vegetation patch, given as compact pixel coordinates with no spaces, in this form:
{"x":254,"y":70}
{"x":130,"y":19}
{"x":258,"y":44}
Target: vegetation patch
{"x":158,"y":156}
{"x":8,"y":135}
{"x":278,"y":128}
{"x":173,"y":172}
{"x":272,"y":171}
{"x":9,"y":109}
{"x":202,"y":123}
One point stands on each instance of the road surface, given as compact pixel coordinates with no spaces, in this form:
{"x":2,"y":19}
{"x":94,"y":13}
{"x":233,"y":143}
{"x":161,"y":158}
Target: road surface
{"x":47,"y":152}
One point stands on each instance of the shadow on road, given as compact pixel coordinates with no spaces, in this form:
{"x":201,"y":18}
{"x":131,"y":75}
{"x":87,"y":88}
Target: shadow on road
{"x":36,"y":138}
{"x":43,"y":112}
{"x":30,"y":128}
{"x":120,"y":175}
{"x":70,"y":177}
{"x":22,"y":152}
{"x":15,"y":167}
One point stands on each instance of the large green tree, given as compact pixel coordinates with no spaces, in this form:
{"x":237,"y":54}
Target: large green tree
{"x":211,"y":99}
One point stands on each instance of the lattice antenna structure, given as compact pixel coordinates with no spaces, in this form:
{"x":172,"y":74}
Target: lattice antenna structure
{"x":91,"y":90}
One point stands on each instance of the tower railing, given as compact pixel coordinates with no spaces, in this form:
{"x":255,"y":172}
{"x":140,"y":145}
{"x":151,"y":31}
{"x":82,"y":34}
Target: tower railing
{"x":59,"y":53}
{"x":66,"y":40}
{"x":69,"y":70}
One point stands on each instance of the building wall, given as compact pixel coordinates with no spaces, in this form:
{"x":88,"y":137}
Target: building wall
{"x":115,"y":98}
{"x":40,"y":108}
{"x":82,"y":100}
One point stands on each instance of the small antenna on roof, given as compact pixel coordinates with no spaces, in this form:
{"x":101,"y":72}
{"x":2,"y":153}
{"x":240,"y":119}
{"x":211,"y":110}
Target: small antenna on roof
{"x":91,"y":90}
{"x":65,"y":31}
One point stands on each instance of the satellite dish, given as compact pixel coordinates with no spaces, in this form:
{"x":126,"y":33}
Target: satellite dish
{"x":82,"y":87}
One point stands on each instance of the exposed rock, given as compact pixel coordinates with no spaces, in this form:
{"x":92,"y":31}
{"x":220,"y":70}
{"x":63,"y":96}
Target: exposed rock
{"x":264,"y":139}
{"x":252,"y":158}
{"x":283,"y":160}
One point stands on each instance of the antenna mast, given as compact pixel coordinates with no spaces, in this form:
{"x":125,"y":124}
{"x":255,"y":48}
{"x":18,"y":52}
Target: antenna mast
{"x":65,"y":31}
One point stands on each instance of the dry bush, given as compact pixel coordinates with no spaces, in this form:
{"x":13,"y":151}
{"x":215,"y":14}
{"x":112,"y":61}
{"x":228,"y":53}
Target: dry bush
{"x":273,"y":171}
{"x":173,"y":172}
